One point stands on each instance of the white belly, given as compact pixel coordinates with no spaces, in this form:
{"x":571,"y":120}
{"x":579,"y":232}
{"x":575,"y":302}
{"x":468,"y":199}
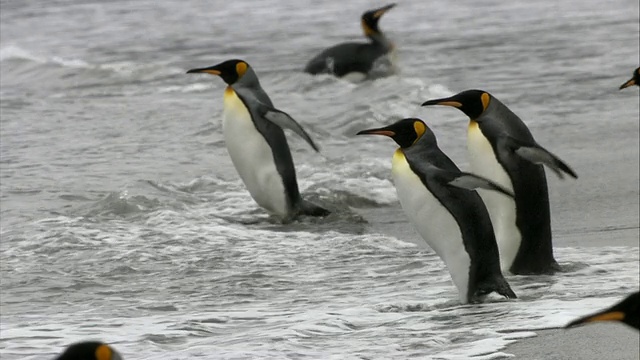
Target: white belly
{"x":502,"y":209}
{"x":252,"y":156}
{"x":433,"y":222}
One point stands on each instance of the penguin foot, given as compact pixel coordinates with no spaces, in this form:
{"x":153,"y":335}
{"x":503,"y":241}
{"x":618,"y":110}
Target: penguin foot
{"x":497,"y":284}
{"x":505,"y":290}
{"x":311,"y":209}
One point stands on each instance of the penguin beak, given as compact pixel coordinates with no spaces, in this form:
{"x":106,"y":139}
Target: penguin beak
{"x":443,"y":101}
{"x":381,"y":131}
{"x":210,"y":70}
{"x":378,"y":13}
{"x":605,"y":316}
{"x":628,"y":83}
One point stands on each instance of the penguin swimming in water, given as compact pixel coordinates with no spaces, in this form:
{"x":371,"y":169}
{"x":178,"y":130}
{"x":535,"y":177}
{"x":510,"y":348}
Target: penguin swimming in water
{"x":635,"y":80}
{"x":257,"y":144}
{"x":89,"y":350}
{"x":502,"y":149}
{"x":626,"y":311}
{"x":440,"y":202}
{"x":355,"y":60}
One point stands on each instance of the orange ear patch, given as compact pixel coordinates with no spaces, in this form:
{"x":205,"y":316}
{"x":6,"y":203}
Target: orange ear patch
{"x":103,"y":352}
{"x":419,"y":128}
{"x":241,"y":68}
{"x":485,"y":98}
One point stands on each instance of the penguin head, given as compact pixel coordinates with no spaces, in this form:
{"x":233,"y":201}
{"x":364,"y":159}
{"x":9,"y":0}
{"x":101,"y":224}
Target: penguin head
{"x":635,"y":80}
{"x":89,"y":350}
{"x":471,"y":102}
{"x":405,"y":132}
{"x":231,"y":71}
{"x":370,"y":20}
{"x":627,"y":311}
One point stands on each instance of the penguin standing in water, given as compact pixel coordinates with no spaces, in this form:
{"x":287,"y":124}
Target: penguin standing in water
{"x":89,"y":350}
{"x":355,"y":60}
{"x":256,"y":142}
{"x":502,"y":149}
{"x":440,"y":203}
{"x":635,"y":80}
{"x":626,"y":311}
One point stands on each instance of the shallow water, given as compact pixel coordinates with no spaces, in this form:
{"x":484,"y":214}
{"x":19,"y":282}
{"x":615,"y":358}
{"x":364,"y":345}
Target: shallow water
{"x":123,"y":219}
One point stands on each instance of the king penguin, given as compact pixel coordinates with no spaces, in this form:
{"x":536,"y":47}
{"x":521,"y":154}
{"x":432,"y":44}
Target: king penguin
{"x":89,"y":350}
{"x":355,"y":60}
{"x":635,"y":80}
{"x":626,"y":311}
{"x":440,"y":202}
{"x":257,"y":144}
{"x":502,"y":149}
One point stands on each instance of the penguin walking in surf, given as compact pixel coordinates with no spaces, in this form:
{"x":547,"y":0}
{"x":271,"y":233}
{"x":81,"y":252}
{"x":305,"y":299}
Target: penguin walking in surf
{"x":355,"y":60}
{"x":257,"y":144}
{"x":440,"y":202}
{"x":502,"y":149}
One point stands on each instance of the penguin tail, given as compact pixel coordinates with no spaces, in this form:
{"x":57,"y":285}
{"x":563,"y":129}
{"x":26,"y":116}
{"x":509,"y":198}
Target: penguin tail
{"x":310,"y":209}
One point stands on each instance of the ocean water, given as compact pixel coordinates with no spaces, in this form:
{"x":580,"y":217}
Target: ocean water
{"x":122,"y":217}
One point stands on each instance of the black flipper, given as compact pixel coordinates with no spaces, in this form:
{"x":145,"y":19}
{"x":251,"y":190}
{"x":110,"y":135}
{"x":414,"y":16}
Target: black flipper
{"x":464,"y":180}
{"x":470,"y":181}
{"x":285,"y":121}
{"x":536,"y":154}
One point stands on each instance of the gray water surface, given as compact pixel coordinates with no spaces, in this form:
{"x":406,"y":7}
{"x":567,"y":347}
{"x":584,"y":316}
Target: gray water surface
{"x":123,"y":219}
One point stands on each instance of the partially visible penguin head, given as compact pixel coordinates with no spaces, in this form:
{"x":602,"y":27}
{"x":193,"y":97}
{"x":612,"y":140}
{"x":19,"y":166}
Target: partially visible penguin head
{"x":231,"y":71}
{"x":471,"y":102}
{"x":626,"y":311}
{"x":370,"y":19}
{"x":635,"y":80}
{"x":405,"y":132}
{"x":89,"y":350}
